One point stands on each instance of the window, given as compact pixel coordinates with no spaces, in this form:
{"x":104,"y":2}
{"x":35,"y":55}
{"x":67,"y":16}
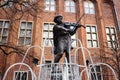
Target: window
{"x":25,"y":33}
{"x":91,"y":36}
{"x":8,"y":3}
{"x":111,"y":36}
{"x":20,"y":75}
{"x":48,"y":34}
{"x":98,"y":73}
{"x":4,"y":29}
{"x":74,"y":41}
{"x":50,"y":5}
{"x":89,"y":7}
{"x":27,"y":3}
{"x":69,"y":6}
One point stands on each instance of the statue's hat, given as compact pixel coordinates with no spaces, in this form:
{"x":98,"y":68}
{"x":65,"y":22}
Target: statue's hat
{"x":56,"y":17}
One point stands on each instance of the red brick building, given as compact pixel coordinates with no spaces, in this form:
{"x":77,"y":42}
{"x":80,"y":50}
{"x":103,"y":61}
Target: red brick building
{"x":102,"y":21}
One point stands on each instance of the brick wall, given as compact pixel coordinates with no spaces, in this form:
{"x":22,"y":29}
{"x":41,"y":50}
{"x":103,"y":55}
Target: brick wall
{"x":104,"y":17}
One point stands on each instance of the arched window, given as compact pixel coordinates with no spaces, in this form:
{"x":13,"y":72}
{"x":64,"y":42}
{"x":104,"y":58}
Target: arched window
{"x":70,"y":6}
{"x":89,"y":7}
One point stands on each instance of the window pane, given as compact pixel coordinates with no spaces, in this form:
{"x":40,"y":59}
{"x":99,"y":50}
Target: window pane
{"x":28,"y":41}
{"x":91,"y":5}
{"x":24,"y":76}
{"x":87,"y":10}
{"x":22,"y":33}
{"x":109,"y":44}
{"x":95,"y":44}
{"x":93,"y":76}
{"x":98,"y":68}
{"x":50,"y":34}
{"x":46,"y":7}
{"x":67,"y":3}
{"x":17,"y":75}
{"x":29,"y":25}
{"x":89,"y":43}
{"x":47,"y":2}
{"x":28,"y":34}
{"x":108,"y":37}
{"x":72,"y":9}
{"x":21,"y":40}
{"x":52,"y":8}
{"x":23,"y":25}
{"x":107,"y":30}
{"x":67,"y":9}
{"x":112,"y":31}
{"x":72,"y":3}
{"x":52,"y":2}
{"x":45,"y":35}
{"x":4,"y":39}
{"x":46,"y":26}
{"x":87,"y":29}
{"x":7,"y":24}
{"x":94,"y":36}
{"x":51,"y":27}
{"x":1,"y":23}
{"x":98,"y":72}
{"x":5,"y":32}
{"x":94,"y":29}
{"x":99,"y":76}
{"x":85,"y":4}
{"x":49,"y":43}
{"x":92,"y":11}
{"x":89,"y":36}
{"x":45,"y":42}
{"x":113,"y":37}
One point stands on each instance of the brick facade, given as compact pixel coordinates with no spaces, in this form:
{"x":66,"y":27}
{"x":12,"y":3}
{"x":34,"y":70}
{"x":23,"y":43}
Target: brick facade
{"x":104,"y":16}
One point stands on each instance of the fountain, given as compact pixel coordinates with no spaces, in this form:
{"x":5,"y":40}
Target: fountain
{"x":62,"y":71}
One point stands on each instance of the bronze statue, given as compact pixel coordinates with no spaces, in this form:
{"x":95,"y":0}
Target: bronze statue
{"x":62,"y":37}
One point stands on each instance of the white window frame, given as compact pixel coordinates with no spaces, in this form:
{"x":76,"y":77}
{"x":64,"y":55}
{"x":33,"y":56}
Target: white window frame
{"x":25,"y":37}
{"x":88,"y":8}
{"x":48,"y":40}
{"x":3,"y":27}
{"x":110,"y":35}
{"x":97,"y":72}
{"x":91,"y":38}
{"x":70,"y":7}
{"x":15,"y":72}
{"x":50,"y":5}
